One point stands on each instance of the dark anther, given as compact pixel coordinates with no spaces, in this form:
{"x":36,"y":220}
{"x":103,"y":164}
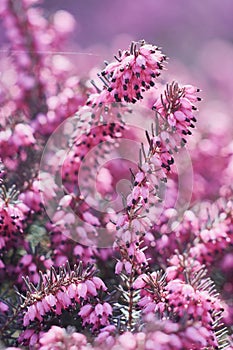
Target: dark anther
{"x":138,"y":95}
{"x":160,"y":65}
{"x":170,"y":161}
{"x":117,"y":98}
{"x":183,"y":141}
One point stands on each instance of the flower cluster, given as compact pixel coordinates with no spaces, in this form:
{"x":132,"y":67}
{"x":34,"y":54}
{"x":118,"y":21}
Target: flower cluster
{"x":101,"y":246}
{"x":176,"y":106}
{"x":97,"y":315}
{"x":134,"y":72}
{"x":193,"y":301}
{"x":37,"y":71}
{"x":57,"y":292}
{"x":12,"y":217}
{"x":29,"y":265}
{"x":162,"y":335}
{"x":57,"y":336}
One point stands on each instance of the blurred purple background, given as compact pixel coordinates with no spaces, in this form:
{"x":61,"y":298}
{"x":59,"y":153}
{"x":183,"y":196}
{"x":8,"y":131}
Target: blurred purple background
{"x":181,"y":27}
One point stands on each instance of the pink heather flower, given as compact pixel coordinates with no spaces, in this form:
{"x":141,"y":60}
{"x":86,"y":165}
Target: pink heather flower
{"x":66,"y":201}
{"x":128,"y":267}
{"x":133,"y":258}
{"x":12,"y":217}
{"x":96,"y":316}
{"x":91,"y":219}
{"x":176,"y":107}
{"x":140,"y":191}
{"x":23,"y":135}
{"x":187,"y":309}
{"x":59,"y":292}
{"x":99,"y":284}
{"x":213,"y":240}
{"x":99,"y":310}
{"x":106,"y":336}
{"x":140,"y":282}
{"x":161,"y":157}
{"x":25,"y":336}
{"x":161,"y":335}
{"x":157,"y":163}
{"x":85,"y":310}
{"x":72,"y":290}
{"x":29,"y":265}
{"x":152,"y":292}
{"x":198,"y":304}
{"x":51,"y":300}
{"x":82,"y":290}
{"x":178,"y":265}
{"x":128,"y":341}
{"x":91,"y":288}
{"x":107,"y":309}
{"x":62,"y":247}
{"x":134,"y":72}
{"x":50,"y":95}
{"x":57,"y":337}
{"x":39,"y":191}
{"x":83,"y":143}
{"x":119,"y":267}
{"x":63,"y":298}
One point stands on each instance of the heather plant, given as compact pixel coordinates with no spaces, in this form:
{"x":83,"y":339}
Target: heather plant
{"x":98,"y":246}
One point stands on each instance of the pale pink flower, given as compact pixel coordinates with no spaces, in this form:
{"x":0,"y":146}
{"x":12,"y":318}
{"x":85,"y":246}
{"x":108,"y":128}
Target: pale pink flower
{"x":134,"y":72}
{"x":82,"y":290}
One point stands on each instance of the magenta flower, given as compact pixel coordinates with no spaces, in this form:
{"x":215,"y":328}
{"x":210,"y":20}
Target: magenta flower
{"x":58,"y":292}
{"x":134,"y":72}
{"x":153,"y":289}
{"x":176,"y":107}
{"x":97,"y":316}
{"x":57,"y":336}
{"x":12,"y":218}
